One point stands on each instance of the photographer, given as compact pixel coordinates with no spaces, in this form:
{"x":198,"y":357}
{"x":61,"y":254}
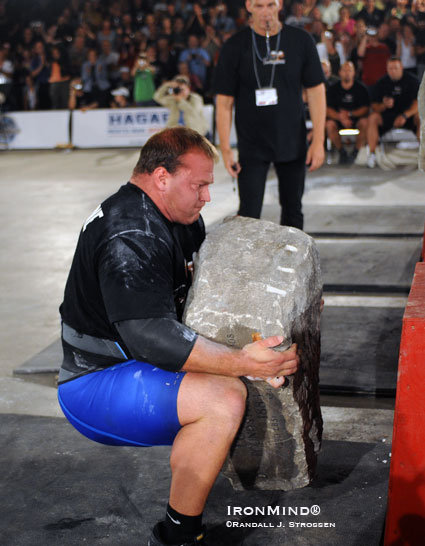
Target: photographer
{"x":144,"y":86}
{"x":186,"y":108}
{"x":81,"y":100}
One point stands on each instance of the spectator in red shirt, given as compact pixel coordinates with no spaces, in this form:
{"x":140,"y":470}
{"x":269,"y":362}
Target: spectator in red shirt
{"x":373,"y":55}
{"x":345,"y":23}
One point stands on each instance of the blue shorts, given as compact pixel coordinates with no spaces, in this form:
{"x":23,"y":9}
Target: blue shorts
{"x":129,"y":404}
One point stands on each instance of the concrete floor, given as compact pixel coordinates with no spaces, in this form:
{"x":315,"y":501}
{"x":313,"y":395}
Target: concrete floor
{"x":45,"y":198}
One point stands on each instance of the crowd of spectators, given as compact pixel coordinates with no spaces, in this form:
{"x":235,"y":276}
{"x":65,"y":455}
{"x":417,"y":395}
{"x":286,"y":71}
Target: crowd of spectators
{"x":92,"y":53}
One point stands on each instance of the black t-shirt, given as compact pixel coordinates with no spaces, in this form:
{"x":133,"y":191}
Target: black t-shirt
{"x":351,"y":99}
{"x":272,"y":133}
{"x":372,"y":19}
{"x":130,"y":263}
{"x":403,"y":91}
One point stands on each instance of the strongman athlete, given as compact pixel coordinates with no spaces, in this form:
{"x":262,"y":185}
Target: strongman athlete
{"x":262,"y":71}
{"x":132,"y":373}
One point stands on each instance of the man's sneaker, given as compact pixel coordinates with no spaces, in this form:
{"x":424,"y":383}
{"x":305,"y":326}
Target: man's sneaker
{"x":156,"y":540}
{"x":371,"y":161}
{"x":343,"y":157}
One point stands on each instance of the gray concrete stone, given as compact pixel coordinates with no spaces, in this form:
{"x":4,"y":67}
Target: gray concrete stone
{"x":421,"y":106}
{"x":255,"y":276}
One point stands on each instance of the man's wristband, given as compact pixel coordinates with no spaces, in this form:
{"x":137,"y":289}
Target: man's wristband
{"x":405,"y":117}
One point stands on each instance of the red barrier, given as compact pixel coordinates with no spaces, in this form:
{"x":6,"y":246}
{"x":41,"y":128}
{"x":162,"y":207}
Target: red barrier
{"x":423,"y":247}
{"x":405,"y":525}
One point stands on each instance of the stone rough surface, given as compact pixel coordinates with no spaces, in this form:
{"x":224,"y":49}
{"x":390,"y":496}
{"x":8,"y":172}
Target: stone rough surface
{"x":421,"y":106}
{"x":255,"y":276}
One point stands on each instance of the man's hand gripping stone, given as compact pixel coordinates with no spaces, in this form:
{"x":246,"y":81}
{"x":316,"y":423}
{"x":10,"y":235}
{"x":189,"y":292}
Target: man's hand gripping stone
{"x":268,"y":364}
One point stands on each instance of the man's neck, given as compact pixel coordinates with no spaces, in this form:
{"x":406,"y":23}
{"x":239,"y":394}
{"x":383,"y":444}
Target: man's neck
{"x":275,"y":27}
{"x":143,"y":182}
{"x":347,"y":85}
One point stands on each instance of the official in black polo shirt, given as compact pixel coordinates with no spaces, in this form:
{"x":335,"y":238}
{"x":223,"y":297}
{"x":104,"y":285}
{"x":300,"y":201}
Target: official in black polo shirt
{"x":261,"y":72}
{"x":347,"y":108}
{"x":394,"y":105}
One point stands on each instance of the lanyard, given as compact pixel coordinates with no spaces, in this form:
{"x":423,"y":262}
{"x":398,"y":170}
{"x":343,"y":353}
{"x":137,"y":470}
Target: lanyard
{"x":256,"y":53}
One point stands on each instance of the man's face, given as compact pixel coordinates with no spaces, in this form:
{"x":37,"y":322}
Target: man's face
{"x":263,"y":12}
{"x":347,"y":72}
{"x":187,"y":190}
{"x":193,"y":42}
{"x":395,"y":70}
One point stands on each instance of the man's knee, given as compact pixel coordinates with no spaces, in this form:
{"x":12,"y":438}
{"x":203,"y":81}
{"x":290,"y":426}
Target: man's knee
{"x":209,"y":396}
{"x":228,"y":398}
{"x":362,"y":124}
{"x":331,"y":127}
{"x":374,"y":119}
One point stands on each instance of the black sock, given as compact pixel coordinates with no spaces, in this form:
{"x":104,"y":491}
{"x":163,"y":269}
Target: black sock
{"x":178,"y":527}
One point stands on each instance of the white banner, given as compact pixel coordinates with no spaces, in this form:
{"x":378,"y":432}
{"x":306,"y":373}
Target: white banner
{"x":34,"y":130}
{"x":118,"y":128}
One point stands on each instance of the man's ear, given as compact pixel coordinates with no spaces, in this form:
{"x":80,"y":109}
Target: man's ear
{"x":160,"y":177}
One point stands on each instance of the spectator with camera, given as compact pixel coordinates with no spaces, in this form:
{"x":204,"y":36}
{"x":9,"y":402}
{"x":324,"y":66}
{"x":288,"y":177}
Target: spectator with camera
{"x":373,"y":55}
{"x":185,"y":107}
{"x":143,"y":73}
{"x":79,"y":99}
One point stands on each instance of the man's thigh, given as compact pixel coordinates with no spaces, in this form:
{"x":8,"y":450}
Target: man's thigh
{"x":132,"y":403}
{"x":387,"y":124}
{"x":200,"y":394}
{"x":251,"y":185}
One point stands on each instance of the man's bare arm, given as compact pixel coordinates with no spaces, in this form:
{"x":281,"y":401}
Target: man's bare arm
{"x":256,"y":359}
{"x":316,"y":98}
{"x":224,"y":112}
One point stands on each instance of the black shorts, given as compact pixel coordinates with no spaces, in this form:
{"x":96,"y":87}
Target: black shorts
{"x":341,"y":126}
{"x":388,"y":119}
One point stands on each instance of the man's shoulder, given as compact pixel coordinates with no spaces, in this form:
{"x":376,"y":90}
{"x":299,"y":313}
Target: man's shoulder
{"x":384,"y":81}
{"x":410,"y":79}
{"x":335,"y":87}
{"x":131,"y":211}
{"x":238,"y":39}
{"x":359,"y":86}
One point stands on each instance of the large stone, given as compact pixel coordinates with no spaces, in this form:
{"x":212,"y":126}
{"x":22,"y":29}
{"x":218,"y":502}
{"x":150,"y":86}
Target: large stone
{"x":255,"y":276}
{"x":421,"y":107}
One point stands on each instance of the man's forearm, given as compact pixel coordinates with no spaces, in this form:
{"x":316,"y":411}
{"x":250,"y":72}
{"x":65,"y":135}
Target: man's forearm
{"x":360,"y":112}
{"x":256,"y":359}
{"x":412,"y":110}
{"x":224,"y":120}
{"x":211,"y":357}
{"x":331,"y":113}
{"x":378,"y":107}
{"x":316,"y":98}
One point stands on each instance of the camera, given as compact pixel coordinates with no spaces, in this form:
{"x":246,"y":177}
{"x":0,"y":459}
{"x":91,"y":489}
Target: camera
{"x":142,"y":61}
{"x":174,"y":90}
